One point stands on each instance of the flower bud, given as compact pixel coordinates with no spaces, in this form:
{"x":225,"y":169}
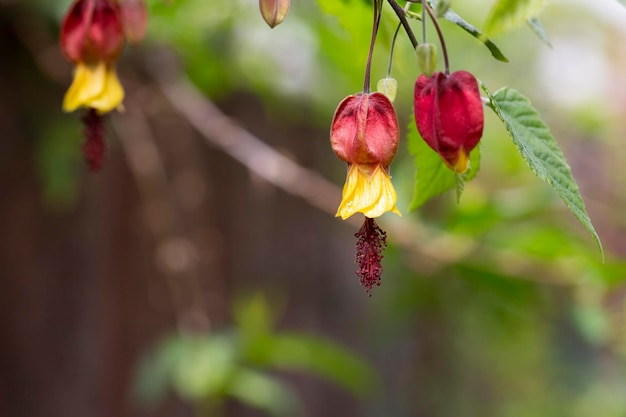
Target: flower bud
{"x":388,"y":87}
{"x":134,"y":14}
{"x":92,"y":32}
{"x":365,"y":130}
{"x":274,"y":11}
{"x":426,"y":58}
{"x":449,"y":116}
{"x":441,"y":7}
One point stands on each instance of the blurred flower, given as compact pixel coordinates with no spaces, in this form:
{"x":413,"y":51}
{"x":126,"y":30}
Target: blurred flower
{"x":274,"y":11}
{"x":92,"y":37}
{"x":449,"y":116}
{"x":364,"y":133}
{"x":134,"y":15}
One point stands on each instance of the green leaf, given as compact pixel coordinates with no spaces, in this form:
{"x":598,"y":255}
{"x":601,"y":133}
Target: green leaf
{"x":253,"y":315}
{"x":324,"y":358}
{"x":154,"y":371}
{"x":452,"y":17}
{"x":205,"y":366}
{"x":264,"y":392}
{"x":509,"y":14}
{"x":540,"y":150}
{"x":433,"y":177}
{"x":537,"y":27}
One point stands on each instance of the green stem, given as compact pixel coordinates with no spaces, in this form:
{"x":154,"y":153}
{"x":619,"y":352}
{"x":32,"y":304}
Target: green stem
{"x":423,"y":24}
{"x":393,"y":47}
{"x":444,"y":51}
{"x":368,"y":65}
{"x":405,"y":24}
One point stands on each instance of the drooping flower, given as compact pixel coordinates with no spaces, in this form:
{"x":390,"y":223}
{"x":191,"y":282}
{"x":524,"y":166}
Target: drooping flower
{"x":364,"y":133}
{"x":92,"y":37}
{"x":449,"y":116}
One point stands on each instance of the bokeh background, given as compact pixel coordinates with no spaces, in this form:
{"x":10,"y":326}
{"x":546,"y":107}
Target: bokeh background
{"x":202,"y":271}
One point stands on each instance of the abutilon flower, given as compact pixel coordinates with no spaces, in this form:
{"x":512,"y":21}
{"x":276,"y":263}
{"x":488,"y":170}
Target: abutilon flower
{"x":449,"y":116}
{"x":92,"y":37}
{"x":364,"y":133}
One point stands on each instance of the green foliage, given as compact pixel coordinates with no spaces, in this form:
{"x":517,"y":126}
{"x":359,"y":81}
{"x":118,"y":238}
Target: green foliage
{"x":432,"y":177}
{"x":205,"y":368}
{"x":540,"y":150}
{"x":264,"y":392}
{"x":509,"y":14}
{"x":300,"y":352}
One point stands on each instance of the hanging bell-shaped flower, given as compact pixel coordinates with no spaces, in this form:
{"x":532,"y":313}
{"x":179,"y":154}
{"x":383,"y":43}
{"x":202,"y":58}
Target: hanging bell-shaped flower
{"x":364,"y":133}
{"x":449,"y":116}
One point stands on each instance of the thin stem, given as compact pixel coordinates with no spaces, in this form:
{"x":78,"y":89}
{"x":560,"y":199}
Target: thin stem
{"x":423,"y":24}
{"x":405,"y":24}
{"x":368,"y":65}
{"x":444,"y":51}
{"x":393,"y":46}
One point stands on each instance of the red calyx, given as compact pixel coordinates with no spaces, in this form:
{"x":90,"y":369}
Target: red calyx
{"x":92,"y":31}
{"x":449,"y":115}
{"x":365,"y":130}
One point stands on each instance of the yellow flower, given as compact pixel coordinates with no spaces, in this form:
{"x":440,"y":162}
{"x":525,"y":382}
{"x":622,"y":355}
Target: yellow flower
{"x":368,"y":190}
{"x":94,"y":86}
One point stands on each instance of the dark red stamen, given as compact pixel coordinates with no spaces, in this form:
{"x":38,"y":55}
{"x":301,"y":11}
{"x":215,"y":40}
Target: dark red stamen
{"x":94,"y":146}
{"x":370,"y":244}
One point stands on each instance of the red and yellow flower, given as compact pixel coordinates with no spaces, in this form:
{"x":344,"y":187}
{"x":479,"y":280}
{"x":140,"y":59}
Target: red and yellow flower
{"x":92,"y":37}
{"x":449,"y":116}
{"x":364,"y":133}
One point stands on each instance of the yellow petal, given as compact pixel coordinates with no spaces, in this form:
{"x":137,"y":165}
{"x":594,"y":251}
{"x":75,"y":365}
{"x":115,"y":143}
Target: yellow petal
{"x":462,"y":164}
{"x":367,"y":190}
{"x":88,"y":83}
{"x":94,"y":86}
{"x":111,"y":96}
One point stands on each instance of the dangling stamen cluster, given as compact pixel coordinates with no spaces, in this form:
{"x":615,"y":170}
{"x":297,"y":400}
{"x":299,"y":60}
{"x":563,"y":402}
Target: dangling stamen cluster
{"x":370,"y":244}
{"x":93,"y":147}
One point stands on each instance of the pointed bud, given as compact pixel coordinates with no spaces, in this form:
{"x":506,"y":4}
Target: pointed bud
{"x":274,"y":11}
{"x":388,"y":87}
{"x":365,"y":130}
{"x":92,"y":32}
{"x":426,"y":58}
{"x":442,"y":7}
{"x":449,"y":116}
{"x":134,"y":15}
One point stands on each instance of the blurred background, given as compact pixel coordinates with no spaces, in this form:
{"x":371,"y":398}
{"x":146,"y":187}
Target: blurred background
{"x":202,"y":272}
